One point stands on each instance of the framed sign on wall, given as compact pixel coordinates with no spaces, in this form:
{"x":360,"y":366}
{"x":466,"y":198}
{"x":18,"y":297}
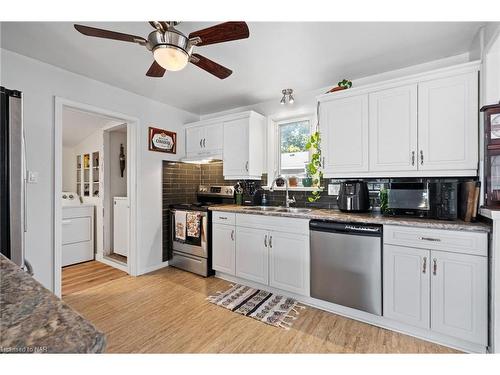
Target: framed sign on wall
{"x":162,"y":140}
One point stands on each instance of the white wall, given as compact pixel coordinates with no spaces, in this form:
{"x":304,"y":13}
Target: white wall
{"x":40,"y":83}
{"x":69,"y":169}
{"x":118,"y":184}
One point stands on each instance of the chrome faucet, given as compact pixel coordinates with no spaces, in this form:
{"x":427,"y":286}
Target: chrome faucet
{"x":287,"y":199}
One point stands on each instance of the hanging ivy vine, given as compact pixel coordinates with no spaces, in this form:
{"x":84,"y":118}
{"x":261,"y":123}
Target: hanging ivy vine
{"x":314,"y":167}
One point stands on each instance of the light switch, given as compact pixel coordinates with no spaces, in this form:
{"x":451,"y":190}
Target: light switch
{"x":32,"y":177}
{"x":333,"y":189}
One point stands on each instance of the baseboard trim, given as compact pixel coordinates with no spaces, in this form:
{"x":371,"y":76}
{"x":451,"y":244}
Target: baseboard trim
{"x":153,"y":268}
{"x":109,"y":262}
{"x":364,"y":317}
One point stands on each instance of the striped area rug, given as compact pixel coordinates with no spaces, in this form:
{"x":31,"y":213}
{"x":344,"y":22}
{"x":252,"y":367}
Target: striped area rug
{"x":273,"y":309}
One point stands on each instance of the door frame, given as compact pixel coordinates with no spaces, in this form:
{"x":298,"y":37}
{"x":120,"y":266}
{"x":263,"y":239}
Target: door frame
{"x":133,"y":170}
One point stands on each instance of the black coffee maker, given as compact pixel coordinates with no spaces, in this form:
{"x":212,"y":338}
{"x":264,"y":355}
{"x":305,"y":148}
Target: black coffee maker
{"x":353,"y":196}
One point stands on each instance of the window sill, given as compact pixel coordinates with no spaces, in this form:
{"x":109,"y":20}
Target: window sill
{"x":293,"y":188}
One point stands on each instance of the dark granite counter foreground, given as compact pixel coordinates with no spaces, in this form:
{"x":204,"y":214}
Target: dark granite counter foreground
{"x":370,"y":217}
{"x":34,"y":320}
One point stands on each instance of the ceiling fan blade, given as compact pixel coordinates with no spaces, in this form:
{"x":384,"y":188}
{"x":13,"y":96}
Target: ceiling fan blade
{"x":220,"y":33}
{"x":155,"y":70}
{"x":101,"y":33}
{"x":210,"y":66}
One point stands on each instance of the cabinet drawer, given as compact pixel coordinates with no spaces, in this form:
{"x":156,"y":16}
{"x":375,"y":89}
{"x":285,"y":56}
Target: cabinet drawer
{"x":76,"y":230}
{"x":223,"y":217}
{"x":274,"y":223}
{"x":437,"y":239}
{"x":77,"y":253}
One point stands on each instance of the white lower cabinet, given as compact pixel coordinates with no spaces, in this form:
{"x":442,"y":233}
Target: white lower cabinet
{"x":252,"y":261}
{"x":407,"y":285}
{"x":223,"y":248}
{"x":441,"y":290}
{"x":272,"y":251}
{"x":459,"y":292}
{"x":289,"y":262}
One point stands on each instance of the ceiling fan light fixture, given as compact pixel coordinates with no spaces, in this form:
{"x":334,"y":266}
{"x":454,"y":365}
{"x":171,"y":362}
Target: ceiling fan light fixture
{"x":171,"y":58}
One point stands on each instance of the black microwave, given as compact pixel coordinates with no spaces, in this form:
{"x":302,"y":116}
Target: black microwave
{"x":436,"y":200}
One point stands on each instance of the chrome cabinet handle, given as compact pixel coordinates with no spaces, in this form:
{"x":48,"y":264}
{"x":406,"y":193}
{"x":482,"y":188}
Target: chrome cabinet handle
{"x":222,"y":217}
{"x":232,"y":235}
{"x":430,"y":239}
{"x":204,"y":145}
{"x":246,"y":166}
{"x":424,"y":266}
{"x":413,"y":158}
{"x":434,"y":267}
{"x":421,"y":157}
{"x":270,"y":242}
{"x":201,"y":140}
{"x":265,"y":240}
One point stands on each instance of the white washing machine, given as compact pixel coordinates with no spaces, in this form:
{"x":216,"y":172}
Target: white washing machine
{"x":77,"y":230}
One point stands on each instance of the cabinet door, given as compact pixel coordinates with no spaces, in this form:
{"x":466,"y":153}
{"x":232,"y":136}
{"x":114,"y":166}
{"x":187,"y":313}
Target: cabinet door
{"x":236,"y":147}
{"x":223,"y":248}
{"x":252,"y":254}
{"x":393,"y":129}
{"x":344,"y":129}
{"x":212,"y":140}
{"x":194,"y":140}
{"x":460,"y":296}
{"x":407,"y":285}
{"x":289,"y":262}
{"x":448,"y":123}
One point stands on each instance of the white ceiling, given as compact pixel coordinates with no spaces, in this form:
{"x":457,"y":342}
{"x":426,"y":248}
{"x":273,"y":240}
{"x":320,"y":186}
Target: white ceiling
{"x":78,"y":125}
{"x":303,"y":56}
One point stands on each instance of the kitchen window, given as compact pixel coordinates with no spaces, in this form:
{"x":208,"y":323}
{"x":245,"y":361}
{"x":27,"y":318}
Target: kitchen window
{"x":292,"y":137}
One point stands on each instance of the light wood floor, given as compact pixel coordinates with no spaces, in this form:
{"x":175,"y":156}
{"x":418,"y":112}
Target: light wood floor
{"x":166,"y":312}
{"x":87,"y":275}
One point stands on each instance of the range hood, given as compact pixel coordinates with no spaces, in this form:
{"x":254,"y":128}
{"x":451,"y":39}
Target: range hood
{"x":202,"y":159}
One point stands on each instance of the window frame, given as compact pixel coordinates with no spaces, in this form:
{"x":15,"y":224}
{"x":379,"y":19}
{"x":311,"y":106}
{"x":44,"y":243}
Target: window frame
{"x":275,"y":149}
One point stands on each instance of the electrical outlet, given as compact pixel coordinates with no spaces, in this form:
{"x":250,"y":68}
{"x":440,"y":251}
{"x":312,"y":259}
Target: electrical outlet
{"x":333,"y":189}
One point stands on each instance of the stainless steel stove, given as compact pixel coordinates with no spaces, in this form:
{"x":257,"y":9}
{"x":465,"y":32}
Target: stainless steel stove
{"x":194,"y":253}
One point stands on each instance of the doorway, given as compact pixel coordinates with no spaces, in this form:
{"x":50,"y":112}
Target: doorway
{"x":95,"y":211}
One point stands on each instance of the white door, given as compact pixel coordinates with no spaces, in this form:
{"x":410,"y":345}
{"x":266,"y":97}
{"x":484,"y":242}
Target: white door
{"x":460,"y":296}
{"x":252,"y":254}
{"x":223,"y":248}
{"x":393,"y":129}
{"x":121,"y":226}
{"x":236,"y":148}
{"x":344,"y":135}
{"x":212,"y":140}
{"x":289,"y":262}
{"x":448,"y":123}
{"x":194,"y":140}
{"x":407,"y":285}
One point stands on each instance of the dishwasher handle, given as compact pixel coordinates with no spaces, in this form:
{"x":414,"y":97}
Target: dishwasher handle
{"x":346,"y":228}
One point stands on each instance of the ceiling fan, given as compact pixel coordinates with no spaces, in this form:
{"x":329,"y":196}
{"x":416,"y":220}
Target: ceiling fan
{"x":172,"y":50}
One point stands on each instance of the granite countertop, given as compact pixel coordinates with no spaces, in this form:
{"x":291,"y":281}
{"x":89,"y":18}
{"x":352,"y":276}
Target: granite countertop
{"x":34,"y":320}
{"x":370,"y":217}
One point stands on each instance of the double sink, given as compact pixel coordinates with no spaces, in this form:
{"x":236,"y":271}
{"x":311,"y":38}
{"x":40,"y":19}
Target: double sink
{"x":292,"y":210}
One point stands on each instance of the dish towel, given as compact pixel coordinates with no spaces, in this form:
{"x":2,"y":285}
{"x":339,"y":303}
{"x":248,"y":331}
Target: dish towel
{"x":193,"y":224}
{"x":180,"y":225}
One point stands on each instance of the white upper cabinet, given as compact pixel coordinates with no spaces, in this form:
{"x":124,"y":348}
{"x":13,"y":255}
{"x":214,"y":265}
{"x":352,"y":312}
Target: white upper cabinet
{"x":204,"y":140}
{"x":448,"y":123}
{"x":344,"y":134}
{"x":393,"y":129}
{"x":421,"y":125}
{"x":244,"y":147}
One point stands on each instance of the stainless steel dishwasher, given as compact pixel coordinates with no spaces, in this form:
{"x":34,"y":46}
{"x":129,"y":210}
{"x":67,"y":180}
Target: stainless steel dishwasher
{"x":346,"y":264}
